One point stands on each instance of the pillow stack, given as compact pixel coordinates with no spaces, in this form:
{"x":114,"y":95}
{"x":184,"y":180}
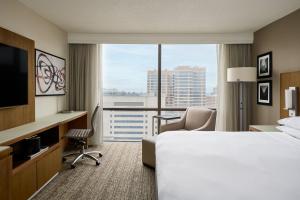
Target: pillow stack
{"x":290,"y":125}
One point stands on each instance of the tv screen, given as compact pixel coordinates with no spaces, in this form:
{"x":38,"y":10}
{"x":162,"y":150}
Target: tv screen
{"x":13,"y":76}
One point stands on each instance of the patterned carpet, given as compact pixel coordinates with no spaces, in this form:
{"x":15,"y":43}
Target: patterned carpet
{"x":121,"y":175}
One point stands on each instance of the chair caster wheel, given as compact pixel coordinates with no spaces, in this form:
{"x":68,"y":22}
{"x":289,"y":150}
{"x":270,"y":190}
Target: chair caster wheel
{"x":100,"y":155}
{"x":64,"y":159}
{"x":73,"y":166}
{"x":97,"y":163}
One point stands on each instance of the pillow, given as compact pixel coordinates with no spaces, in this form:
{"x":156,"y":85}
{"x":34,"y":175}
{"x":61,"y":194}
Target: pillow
{"x":291,"y":131}
{"x":293,"y":122}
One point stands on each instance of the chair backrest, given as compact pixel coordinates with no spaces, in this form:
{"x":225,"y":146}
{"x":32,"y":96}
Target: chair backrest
{"x":196,"y":117}
{"x":93,"y":120}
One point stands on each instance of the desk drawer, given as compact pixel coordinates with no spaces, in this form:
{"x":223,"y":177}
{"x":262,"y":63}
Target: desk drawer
{"x":5,"y":173}
{"x":48,"y":166}
{"x":24,"y":182}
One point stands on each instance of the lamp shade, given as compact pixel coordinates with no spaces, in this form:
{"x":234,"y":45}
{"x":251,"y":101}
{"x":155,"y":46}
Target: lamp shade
{"x":241,"y":74}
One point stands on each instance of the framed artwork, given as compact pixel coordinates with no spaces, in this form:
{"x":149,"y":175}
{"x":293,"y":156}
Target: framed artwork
{"x":264,"y":65}
{"x":264,"y":92}
{"x":50,"y":77}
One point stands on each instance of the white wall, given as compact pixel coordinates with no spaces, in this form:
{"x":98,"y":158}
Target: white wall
{"x":15,"y":17}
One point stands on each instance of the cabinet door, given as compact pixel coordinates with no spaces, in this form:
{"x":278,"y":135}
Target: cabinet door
{"x":5,"y":172}
{"x":48,"y":166}
{"x":24,"y":182}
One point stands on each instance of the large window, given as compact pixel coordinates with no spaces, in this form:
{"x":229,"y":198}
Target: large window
{"x":140,"y":81}
{"x":189,"y":75}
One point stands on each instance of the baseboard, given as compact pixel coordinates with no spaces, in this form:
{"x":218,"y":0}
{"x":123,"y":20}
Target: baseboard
{"x":43,"y":186}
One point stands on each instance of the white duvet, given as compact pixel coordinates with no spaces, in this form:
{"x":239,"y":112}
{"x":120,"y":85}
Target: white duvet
{"x":227,"y":166}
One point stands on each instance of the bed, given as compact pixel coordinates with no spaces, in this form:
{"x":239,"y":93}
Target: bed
{"x":227,"y":166}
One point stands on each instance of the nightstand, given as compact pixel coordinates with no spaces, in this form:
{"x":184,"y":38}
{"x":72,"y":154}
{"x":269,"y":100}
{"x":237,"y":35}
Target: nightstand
{"x":264,"y":128}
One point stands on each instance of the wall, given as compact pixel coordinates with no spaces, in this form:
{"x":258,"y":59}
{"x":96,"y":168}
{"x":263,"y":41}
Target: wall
{"x":282,"y":37}
{"x":15,"y":17}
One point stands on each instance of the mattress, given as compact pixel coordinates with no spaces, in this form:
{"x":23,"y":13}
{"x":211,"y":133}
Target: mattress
{"x":227,"y":166}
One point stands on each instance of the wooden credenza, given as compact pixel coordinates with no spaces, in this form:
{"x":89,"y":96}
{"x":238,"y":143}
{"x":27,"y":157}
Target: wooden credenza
{"x":21,"y":178}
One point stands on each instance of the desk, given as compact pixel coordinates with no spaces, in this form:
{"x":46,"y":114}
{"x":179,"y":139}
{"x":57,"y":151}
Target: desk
{"x":163,"y":117}
{"x":18,"y":133}
{"x":22,"y":178}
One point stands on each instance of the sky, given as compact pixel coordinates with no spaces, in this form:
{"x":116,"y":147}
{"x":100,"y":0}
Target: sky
{"x":125,"y":66}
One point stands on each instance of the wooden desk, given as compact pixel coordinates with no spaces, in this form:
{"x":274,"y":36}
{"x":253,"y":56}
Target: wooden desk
{"x":20,"y":179}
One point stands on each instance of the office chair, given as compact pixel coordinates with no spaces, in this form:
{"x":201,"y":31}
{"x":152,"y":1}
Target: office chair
{"x":80,"y":137}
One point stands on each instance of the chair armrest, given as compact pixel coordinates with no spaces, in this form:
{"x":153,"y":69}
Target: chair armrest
{"x":209,"y":125}
{"x":172,"y":126}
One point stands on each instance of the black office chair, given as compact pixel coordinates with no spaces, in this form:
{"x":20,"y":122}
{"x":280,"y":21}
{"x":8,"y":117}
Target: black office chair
{"x":80,"y":136}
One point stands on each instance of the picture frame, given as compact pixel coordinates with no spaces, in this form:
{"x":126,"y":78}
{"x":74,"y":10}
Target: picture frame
{"x":264,"y":65}
{"x":264,"y":92}
{"x":50,"y":74}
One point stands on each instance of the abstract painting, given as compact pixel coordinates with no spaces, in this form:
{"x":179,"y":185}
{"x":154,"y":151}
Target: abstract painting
{"x":264,"y":92}
{"x":50,"y":74}
{"x":264,"y":65}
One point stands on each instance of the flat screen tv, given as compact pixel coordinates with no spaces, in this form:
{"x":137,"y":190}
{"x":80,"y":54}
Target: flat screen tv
{"x":13,"y":76}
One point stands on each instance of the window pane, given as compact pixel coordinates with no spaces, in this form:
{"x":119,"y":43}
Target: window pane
{"x":127,"y":125}
{"x":125,"y":75}
{"x":189,"y":75}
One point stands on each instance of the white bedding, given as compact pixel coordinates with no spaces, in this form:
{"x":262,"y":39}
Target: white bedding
{"x":227,"y":166}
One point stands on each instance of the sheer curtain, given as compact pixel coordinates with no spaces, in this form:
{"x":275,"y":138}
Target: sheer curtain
{"x":85,"y":83}
{"x":232,"y":55}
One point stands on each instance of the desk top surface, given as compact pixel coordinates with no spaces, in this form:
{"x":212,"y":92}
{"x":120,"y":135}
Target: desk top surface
{"x":50,"y":121}
{"x":4,"y":151}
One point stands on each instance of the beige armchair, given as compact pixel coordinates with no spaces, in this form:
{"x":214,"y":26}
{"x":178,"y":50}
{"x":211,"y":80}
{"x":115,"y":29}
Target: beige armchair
{"x":194,"y":118}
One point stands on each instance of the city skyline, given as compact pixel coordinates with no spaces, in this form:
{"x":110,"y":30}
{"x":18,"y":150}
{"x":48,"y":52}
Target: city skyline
{"x":183,"y":86}
{"x":129,"y":64}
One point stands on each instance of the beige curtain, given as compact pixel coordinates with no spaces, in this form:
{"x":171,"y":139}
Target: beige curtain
{"x":232,"y":55}
{"x":85,"y":88}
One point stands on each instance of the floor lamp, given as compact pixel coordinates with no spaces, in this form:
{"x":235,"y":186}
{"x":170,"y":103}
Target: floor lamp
{"x":240,"y":75}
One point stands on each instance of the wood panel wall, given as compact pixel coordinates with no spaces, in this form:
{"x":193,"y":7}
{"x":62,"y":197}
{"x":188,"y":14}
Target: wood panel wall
{"x":18,"y":115}
{"x":289,"y":79}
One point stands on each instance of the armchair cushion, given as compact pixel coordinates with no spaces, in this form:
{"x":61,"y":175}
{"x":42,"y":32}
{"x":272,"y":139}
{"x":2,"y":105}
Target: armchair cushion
{"x":196,"y":117}
{"x":172,"y":126}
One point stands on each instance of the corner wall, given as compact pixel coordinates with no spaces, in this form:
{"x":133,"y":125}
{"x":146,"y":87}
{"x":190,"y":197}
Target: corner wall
{"x":16,"y":17}
{"x":282,"y":37}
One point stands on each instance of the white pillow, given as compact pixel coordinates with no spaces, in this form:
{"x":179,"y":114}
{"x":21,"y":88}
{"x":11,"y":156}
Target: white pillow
{"x":291,"y":131}
{"x":293,"y":122}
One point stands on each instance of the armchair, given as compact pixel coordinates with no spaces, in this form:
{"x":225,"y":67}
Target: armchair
{"x":194,"y":119}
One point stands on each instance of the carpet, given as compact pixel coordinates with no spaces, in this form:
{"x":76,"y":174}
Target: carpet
{"x":121,"y":175}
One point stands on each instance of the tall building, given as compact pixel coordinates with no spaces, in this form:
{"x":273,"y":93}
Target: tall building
{"x":182,"y":87}
{"x":166,"y":85}
{"x":211,"y":99}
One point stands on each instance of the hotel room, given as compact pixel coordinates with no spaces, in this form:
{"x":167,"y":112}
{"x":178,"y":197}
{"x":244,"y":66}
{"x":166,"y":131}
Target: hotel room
{"x":139,"y":99}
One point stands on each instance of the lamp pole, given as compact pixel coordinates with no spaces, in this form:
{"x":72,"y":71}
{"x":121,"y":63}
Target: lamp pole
{"x":239,"y":105}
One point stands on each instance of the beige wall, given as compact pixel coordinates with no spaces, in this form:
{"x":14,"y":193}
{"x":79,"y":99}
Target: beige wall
{"x":283,"y":39}
{"x":15,"y":17}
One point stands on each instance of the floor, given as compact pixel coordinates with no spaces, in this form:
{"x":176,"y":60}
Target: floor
{"x":121,"y":175}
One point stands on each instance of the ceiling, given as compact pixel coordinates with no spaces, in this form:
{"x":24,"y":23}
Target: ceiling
{"x":162,"y":16}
